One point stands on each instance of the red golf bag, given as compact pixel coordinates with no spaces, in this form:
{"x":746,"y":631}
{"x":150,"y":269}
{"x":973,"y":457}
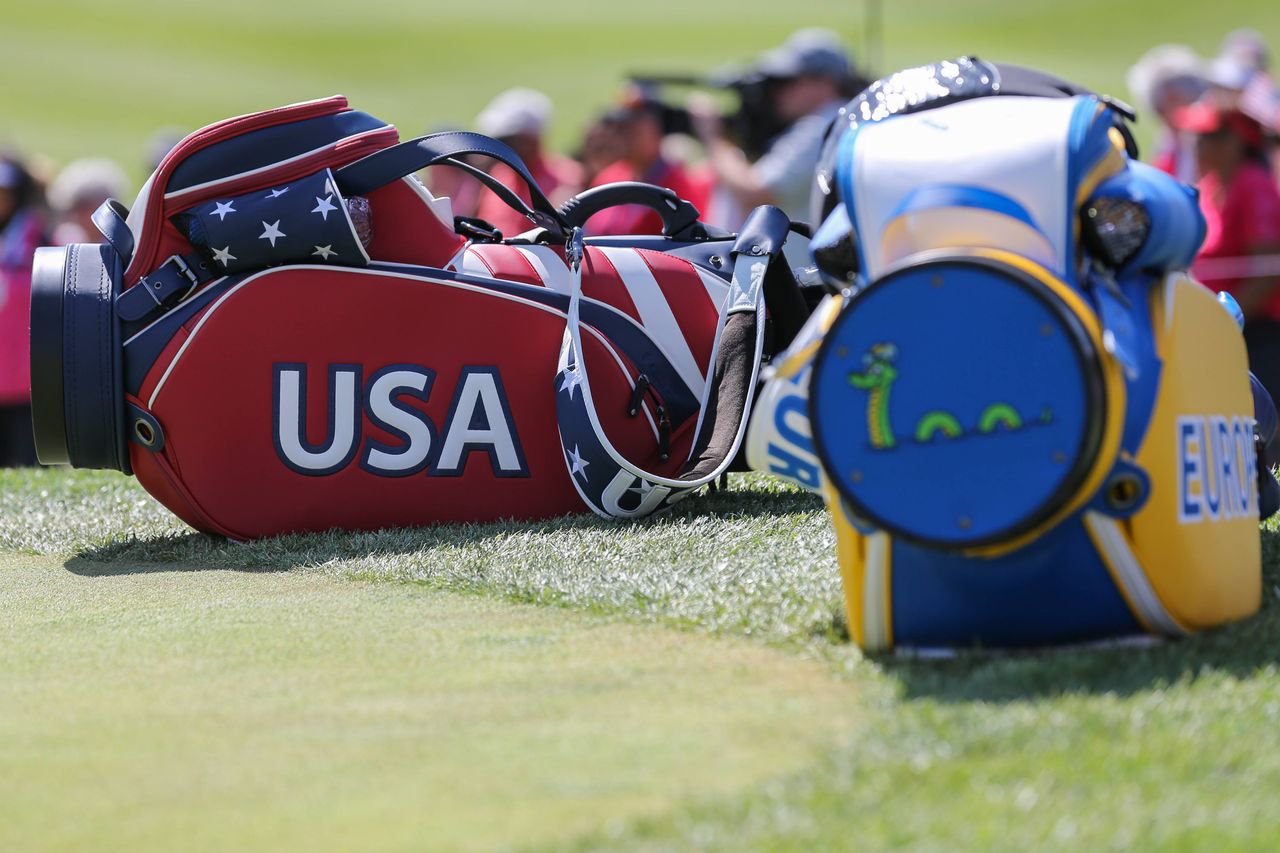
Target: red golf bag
{"x":289,"y":333}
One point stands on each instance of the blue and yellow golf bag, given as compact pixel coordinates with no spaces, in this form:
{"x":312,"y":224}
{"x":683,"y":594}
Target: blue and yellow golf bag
{"x":1029,"y":424}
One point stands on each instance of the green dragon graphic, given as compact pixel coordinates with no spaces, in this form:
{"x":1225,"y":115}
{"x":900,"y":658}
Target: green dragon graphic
{"x":877,"y":378}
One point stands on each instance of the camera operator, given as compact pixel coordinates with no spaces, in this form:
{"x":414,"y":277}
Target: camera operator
{"x":809,"y":78}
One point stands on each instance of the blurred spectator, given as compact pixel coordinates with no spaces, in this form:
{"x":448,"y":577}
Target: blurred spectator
{"x":1164,"y":80}
{"x":21,"y":232}
{"x":1247,"y":47}
{"x":602,"y":145}
{"x":77,"y":192}
{"x":642,"y":158}
{"x":519,"y":117}
{"x":811,"y":72}
{"x":1241,"y":205}
{"x":161,"y":143}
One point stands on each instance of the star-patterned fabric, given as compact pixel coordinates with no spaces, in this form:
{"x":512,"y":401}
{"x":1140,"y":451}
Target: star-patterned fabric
{"x":305,"y":221}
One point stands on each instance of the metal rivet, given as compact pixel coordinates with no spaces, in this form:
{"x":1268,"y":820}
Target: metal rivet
{"x":936,"y":281}
{"x":716,"y":261}
{"x":842,"y":352}
{"x":1046,"y":330}
{"x":1123,"y":492}
{"x":964,"y":522}
{"x":1059,"y":457}
{"x":146,"y":435}
{"x":855,"y":476}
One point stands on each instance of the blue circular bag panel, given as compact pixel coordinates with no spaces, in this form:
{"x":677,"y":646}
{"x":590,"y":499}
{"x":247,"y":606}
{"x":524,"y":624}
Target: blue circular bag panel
{"x":957,"y":403}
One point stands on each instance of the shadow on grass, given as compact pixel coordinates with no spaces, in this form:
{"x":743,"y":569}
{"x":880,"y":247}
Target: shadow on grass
{"x":1239,"y":649}
{"x":198,"y":552}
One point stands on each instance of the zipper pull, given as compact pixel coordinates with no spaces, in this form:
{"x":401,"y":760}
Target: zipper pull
{"x":637,"y":396}
{"x":664,"y":435}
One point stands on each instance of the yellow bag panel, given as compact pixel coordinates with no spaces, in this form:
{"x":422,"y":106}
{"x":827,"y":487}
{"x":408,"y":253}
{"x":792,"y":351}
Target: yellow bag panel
{"x":1204,"y":563}
{"x":866,"y":570}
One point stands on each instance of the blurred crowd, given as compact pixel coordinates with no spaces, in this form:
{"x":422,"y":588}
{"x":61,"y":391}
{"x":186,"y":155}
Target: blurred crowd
{"x":688,"y":147}
{"x":1219,"y":118}
{"x":1219,"y":130}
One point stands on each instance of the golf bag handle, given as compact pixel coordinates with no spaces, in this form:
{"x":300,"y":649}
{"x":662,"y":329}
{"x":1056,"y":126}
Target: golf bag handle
{"x":677,"y":214}
{"x":389,"y":164}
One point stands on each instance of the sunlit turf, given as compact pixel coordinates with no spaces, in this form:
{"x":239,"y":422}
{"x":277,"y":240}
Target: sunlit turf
{"x":157,"y":707}
{"x":170,"y":662}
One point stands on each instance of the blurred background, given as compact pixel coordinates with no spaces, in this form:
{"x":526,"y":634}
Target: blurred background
{"x":94,"y":95}
{"x":83,"y":78}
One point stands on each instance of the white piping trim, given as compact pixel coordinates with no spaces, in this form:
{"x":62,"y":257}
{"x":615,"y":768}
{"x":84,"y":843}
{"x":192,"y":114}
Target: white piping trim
{"x":1129,"y":574}
{"x":270,"y":166}
{"x":875,"y":629}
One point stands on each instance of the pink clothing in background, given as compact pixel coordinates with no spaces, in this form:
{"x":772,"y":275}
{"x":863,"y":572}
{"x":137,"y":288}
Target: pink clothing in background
{"x":558,"y":178}
{"x":1242,"y":216}
{"x":18,"y":244}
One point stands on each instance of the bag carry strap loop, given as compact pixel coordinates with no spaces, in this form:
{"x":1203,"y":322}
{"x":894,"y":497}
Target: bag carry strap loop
{"x":678,"y":216}
{"x":111,"y":219}
{"x":390,"y":164}
{"x":611,"y":485}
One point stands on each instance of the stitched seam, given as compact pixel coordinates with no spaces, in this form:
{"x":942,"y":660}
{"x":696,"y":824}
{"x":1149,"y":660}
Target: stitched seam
{"x":104,"y":308}
{"x":69,"y":346}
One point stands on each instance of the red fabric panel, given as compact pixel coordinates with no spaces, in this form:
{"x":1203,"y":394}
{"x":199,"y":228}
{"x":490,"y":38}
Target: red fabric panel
{"x":157,"y":476}
{"x":216,"y":407}
{"x":405,"y":230}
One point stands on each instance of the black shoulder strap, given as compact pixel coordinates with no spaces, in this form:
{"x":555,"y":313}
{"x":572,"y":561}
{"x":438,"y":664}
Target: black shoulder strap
{"x":389,"y":164}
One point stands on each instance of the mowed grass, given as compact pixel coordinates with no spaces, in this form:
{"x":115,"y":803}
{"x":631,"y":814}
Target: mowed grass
{"x":145,"y":704}
{"x":685,"y":684}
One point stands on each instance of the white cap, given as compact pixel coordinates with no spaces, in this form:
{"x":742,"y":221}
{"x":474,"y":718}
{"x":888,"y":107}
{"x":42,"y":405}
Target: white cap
{"x":812,"y":51}
{"x":515,"y":111}
{"x":1248,"y":47}
{"x":89,"y":179}
{"x":1159,"y":65}
{"x":1230,"y":73}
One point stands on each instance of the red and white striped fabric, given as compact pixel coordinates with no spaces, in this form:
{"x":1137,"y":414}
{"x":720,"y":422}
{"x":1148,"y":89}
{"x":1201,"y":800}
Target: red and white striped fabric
{"x":677,"y":303}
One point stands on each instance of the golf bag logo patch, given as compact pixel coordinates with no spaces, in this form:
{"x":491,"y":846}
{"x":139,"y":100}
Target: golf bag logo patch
{"x":1217,"y":469}
{"x":479,"y":420}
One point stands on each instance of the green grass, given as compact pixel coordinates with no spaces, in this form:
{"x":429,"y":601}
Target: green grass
{"x":685,"y":684}
{"x":147,"y":703}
